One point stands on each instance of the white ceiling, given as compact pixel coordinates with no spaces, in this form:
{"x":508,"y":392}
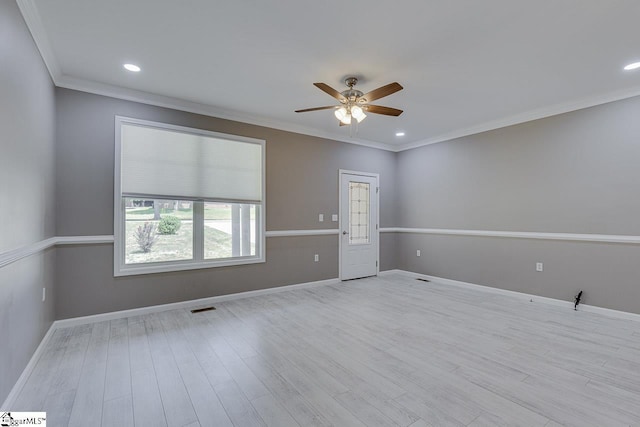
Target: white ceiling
{"x":466,"y":65}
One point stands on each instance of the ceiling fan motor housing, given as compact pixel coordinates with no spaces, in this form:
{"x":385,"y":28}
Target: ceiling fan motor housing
{"x":352,"y":94}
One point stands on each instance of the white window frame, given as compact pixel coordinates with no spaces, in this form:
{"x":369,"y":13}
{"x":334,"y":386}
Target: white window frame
{"x":198,"y":261}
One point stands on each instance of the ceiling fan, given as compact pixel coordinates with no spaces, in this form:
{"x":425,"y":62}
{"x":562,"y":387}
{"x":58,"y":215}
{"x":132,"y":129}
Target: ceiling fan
{"x":354,"y":103}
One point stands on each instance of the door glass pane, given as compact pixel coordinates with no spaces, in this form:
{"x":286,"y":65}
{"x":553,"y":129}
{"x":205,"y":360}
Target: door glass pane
{"x":359,"y":215}
{"x":158,"y":230}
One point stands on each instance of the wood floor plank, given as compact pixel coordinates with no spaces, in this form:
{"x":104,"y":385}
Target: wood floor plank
{"x":367,"y":414}
{"x":35,"y":390}
{"x":232,"y":401}
{"x":118,"y":412}
{"x":147,"y":403}
{"x":58,"y":407}
{"x":330,"y":408}
{"x":90,"y":393}
{"x":420,"y":423}
{"x":118,"y":375}
{"x":299,"y":408}
{"x":178,"y":409}
{"x":203,"y":398}
{"x":273,"y":413}
{"x":70,"y":369}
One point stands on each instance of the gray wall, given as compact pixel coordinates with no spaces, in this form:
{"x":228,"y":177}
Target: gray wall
{"x":302,"y":181}
{"x":27,"y":210}
{"x":572,"y":173}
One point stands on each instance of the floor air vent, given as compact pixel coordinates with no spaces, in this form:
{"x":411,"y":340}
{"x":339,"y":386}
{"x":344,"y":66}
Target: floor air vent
{"x":423,"y":280}
{"x":200,"y":310}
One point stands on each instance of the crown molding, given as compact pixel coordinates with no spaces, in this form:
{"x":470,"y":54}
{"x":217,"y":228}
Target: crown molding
{"x":34,"y":23}
{"x":209,"y":110}
{"x":528,"y":116}
{"x":148,"y":98}
{"x":36,"y":28}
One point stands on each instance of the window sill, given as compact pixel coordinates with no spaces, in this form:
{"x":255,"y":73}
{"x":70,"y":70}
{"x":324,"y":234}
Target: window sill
{"x":167,"y":267}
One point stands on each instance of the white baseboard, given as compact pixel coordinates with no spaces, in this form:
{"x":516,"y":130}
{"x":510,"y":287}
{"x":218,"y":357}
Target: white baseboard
{"x":185,"y":304}
{"x":212,"y":300}
{"x":65,"y":323}
{"x":521,"y":295}
{"x":17,"y":387}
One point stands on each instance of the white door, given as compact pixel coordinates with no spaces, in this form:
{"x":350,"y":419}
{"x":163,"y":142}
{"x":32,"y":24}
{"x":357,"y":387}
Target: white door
{"x":358,"y":225}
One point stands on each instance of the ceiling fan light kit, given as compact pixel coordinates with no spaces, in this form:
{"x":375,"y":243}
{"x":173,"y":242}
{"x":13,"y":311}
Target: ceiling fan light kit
{"x":354,"y":103}
{"x":343,"y":115}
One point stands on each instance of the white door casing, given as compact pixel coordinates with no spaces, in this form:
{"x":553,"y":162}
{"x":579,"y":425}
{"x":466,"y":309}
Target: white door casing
{"x":359,"y":235}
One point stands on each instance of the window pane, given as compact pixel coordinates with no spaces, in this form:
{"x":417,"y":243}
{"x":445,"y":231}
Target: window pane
{"x":229,"y":230}
{"x":158,"y":230}
{"x":358,"y":213}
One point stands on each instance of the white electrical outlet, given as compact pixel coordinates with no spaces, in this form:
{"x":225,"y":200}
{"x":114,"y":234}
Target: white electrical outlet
{"x":539,"y":266}
{"x":316,"y":258}
{"x":334,"y":217}
{"x":321,"y":217}
{"x":44,"y":294}
{"x":418,"y":252}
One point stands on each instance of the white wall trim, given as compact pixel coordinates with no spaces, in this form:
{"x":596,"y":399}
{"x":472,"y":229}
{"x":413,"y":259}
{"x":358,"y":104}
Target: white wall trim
{"x":32,"y":18}
{"x":187,"y":304}
{"x":17,"y":387}
{"x":208,"y":110}
{"x":520,"y":295}
{"x":11,"y":256}
{"x":83,"y":240}
{"x":291,"y":233}
{"x":14,"y":255}
{"x":34,"y":23}
{"x":527,"y":116}
{"x":599,"y":238}
{"x":142,"y":97}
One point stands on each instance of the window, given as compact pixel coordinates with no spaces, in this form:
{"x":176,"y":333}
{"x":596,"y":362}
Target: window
{"x":186,"y":198}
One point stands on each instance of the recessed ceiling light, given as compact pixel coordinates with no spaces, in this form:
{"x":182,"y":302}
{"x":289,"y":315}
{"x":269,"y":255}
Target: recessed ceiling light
{"x":131,"y":67}
{"x":632,"y":66}
{"x":399,"y":133}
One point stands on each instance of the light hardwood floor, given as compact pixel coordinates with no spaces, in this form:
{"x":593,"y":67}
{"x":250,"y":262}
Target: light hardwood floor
{"x":388,"y":351}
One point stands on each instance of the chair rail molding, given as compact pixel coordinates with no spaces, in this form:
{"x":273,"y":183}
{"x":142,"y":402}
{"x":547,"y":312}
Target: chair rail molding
{"x":13,"y":255}
{"x":601,"y":238}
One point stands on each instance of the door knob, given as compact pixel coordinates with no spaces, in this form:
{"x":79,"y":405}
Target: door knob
{"x":344,"y":232}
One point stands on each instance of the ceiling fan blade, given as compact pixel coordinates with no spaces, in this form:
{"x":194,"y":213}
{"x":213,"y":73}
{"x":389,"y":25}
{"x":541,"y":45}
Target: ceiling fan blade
{"x":316,"y":109}
{"x":331,"y":91}
{"x":378,"y":109}
{"x":381,"y":92}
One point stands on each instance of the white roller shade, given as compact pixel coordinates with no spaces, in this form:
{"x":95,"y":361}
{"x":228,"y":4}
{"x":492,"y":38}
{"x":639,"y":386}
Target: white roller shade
{"x":161,"y":162}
